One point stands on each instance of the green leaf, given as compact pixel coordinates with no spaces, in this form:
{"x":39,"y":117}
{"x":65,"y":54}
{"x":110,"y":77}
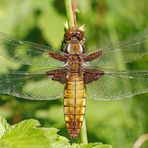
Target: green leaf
{"x":24,"y":134}
{"x":28,"y":134}
{"x":4,"y":126}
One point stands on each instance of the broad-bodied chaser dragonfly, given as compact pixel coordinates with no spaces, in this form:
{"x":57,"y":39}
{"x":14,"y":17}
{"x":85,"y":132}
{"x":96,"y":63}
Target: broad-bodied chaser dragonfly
{"x":74,"y":73}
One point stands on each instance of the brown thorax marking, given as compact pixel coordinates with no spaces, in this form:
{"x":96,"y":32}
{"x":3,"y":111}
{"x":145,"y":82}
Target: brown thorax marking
{"x":74,"y":63}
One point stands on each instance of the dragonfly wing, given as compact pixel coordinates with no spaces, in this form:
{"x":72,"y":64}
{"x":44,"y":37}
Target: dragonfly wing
{"x":118,"y":85}
{"x":33,"y":86}
{"x":122,"y":52}
{"x":26,"y":52}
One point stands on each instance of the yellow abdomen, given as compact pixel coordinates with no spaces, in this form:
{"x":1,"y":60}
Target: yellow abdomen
{"x":74,"y":104}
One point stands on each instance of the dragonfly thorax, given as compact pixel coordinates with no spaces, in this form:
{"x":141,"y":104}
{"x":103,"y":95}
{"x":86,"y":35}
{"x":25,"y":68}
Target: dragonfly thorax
{"x":73,"y":48}
{"x":74,"y":63}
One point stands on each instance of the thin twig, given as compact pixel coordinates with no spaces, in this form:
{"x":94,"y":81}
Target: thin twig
{"x":74,"y":12}
{"x":140,"y":141}
{"x":69,"y":13}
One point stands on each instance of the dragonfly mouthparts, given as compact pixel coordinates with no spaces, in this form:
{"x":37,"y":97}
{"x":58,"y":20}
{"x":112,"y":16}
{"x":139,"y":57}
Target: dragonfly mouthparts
{"x":74,"y":40}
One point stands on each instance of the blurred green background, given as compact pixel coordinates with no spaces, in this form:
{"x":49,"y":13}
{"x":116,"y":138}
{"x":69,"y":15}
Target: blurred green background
{"x":118,"y":123}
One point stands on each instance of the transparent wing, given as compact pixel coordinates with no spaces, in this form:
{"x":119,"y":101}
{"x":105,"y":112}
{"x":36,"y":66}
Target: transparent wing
{"x":33,"y":86}
{"x":26,"y":52}
{"x":122,"y":52}
{"x":118,"y":85}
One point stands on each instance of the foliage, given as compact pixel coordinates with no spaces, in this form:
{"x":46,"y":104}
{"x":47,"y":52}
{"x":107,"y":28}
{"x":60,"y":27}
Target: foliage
{"x":27,"y":134}
{"x":118,"y":123}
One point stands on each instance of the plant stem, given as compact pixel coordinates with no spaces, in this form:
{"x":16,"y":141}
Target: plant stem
{"x":83,"y":133}
{"x":74,"y":12}
{"x":69,"y":13}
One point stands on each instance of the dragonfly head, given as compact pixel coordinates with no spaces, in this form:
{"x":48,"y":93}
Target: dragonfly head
{"x":74,"y":35}
{"x":74,"y":39}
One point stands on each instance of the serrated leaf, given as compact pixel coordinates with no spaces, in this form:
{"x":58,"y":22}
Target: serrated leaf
{"x":4,"y":126}
{"x":24,"y":135}
{"x":28,"y":134}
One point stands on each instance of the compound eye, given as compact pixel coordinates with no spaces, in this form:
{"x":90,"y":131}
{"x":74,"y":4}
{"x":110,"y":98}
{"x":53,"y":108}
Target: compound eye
{"x":68,"y":35}
{"x":79,"y":35}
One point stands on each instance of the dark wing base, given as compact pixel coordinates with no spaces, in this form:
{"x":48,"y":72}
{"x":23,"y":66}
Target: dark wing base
{"x":57,"y":75}
{"x":91,"y":75}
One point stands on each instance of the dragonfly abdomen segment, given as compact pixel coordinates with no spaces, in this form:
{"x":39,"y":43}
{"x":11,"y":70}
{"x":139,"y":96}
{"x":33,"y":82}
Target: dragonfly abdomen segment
{"x":74,"y":104}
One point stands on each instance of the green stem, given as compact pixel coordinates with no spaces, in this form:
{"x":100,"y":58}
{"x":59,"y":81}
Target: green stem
{"x":69,"y":13}
{"x":83,"y":133}
{"x":74,"y":12}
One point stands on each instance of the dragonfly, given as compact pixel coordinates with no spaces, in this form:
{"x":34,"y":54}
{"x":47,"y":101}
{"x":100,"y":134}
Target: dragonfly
{"x":74,"y":73}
